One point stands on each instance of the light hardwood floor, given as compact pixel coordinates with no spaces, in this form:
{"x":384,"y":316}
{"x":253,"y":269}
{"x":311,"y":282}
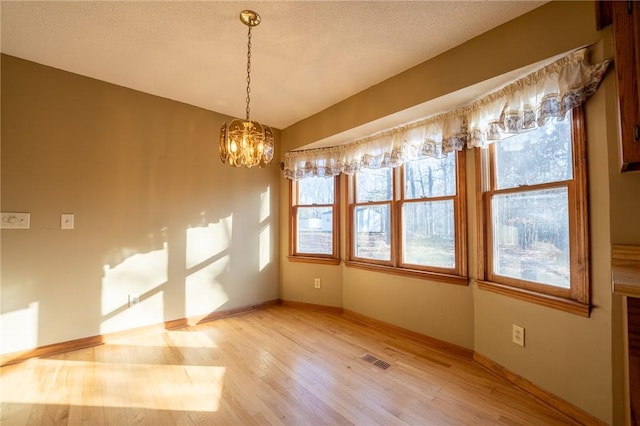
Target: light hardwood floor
{"x":279,"y":365}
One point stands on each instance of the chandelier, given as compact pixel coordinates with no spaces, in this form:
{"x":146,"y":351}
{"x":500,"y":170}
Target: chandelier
{"x":246,"y":143}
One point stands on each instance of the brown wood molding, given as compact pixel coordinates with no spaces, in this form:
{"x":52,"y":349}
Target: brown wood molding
{"x":312,"y":306}
{"x":48,"y":350}
{"x":447,"y":347}
{"x":87,"y":342}
{"x":412,"y":273}
{"x":240,"y":310}
{"x":547,"y":300}
{"x":311,"y":259}
{"x":565,"y":407}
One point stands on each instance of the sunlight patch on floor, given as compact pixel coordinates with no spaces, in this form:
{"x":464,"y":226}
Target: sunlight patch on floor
{"x":192,"y":388}
{"x":177,"y":338}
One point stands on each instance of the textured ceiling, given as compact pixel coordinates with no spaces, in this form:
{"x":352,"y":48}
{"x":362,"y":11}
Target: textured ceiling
{"x":306,"y":55}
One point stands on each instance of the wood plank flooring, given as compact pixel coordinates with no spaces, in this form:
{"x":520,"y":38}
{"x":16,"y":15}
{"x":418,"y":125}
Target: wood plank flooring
{"x":279,"y":366}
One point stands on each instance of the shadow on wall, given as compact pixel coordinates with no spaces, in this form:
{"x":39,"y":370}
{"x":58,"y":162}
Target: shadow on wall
{"x":156,"y":213}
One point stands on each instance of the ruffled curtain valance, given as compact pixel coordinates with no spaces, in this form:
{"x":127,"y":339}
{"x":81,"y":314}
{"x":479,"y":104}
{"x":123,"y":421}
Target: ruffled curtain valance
{"x":520,"y":106}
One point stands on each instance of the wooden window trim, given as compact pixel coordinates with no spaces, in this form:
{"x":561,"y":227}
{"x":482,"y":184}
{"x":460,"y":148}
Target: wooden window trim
{"x":408,"y":272}
{"x":575,"y":300}
{"x":328,"y":259}
{"x":314,"y":259}
{"x":555,"y":302}
{"x":456,"y":275}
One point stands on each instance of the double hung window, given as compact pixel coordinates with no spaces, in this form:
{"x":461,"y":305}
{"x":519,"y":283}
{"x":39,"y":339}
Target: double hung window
{"x":534,"y":231}
{"x":409,"y":219}
{"x":314,"y":219}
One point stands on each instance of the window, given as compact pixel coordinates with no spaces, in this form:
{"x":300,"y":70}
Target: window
{"x":409,"y":220}
{"x":314,"y":219}
{"x":533,"y":236}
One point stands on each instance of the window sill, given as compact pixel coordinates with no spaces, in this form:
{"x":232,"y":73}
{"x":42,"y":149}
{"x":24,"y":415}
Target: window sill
{"x":312,"y":259}
{"x":555,"y":302}
{"x":413,"y":273}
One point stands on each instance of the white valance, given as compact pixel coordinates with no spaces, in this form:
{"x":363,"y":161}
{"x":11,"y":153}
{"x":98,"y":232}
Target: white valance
{"x":517,"y":107}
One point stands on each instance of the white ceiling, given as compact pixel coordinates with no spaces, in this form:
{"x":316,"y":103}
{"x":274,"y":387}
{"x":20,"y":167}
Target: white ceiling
{"x":306,"y":55}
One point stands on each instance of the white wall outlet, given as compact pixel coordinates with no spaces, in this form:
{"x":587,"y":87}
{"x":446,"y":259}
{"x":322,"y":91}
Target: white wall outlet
{"x":518,"y":335}
{"x":316,"y":283}
{"x":134,"y":299}
{"x":67,"y":221}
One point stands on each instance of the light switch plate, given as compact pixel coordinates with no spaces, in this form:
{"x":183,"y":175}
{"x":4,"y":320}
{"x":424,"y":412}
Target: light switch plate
{"x":15,"y":220}
{"x":67,"y":221}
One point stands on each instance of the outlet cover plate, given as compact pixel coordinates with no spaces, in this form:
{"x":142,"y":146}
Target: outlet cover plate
{"x":518,"y":335}
{"x":134,"y":299}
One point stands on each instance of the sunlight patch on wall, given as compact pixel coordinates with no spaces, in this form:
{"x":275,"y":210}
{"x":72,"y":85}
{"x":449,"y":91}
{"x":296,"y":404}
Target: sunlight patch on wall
{"x":206,"y":242}
{"x":265,"y":246}
{"x":138,"y":274}
{"x":265,"y":233}
{"x":19,"y":329}
{"x":207,"y":259}
{"x":149,"y":311}
{"x":193,"y":388}
{"x":203,"y":291}
{"x":265,"y":204}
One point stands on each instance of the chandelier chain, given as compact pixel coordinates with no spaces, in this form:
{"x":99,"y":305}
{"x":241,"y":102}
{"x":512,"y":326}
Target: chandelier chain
{"x":248,"y":71}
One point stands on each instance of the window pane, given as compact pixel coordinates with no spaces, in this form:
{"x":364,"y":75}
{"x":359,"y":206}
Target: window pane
{"x":428,"y":234}
{"x":430,"y":177}
{"x":373,"y":236}
{"x":531,"y":236}
{"x":539,"y":156}
{"x":374,"y":185}
{"x":315,"y":230}
{"x":316,"y":190}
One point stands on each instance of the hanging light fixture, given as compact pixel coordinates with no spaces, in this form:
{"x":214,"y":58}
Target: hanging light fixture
{"x":246,"y":143}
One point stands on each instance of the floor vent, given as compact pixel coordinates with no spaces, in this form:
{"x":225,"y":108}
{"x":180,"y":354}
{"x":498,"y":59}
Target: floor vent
{"x":369,"y":358}
{"x":381,"y":364}
{"x":375,"y":361}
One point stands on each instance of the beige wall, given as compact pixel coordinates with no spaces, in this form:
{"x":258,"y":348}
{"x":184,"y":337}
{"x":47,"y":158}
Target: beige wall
{"x":578,"y":359}
{"x":156,"y":212}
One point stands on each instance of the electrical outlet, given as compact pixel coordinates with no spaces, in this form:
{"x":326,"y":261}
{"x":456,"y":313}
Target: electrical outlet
{"x":134,"y":299}
{"x":316,"y":283}
{"x":518,"y":335}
